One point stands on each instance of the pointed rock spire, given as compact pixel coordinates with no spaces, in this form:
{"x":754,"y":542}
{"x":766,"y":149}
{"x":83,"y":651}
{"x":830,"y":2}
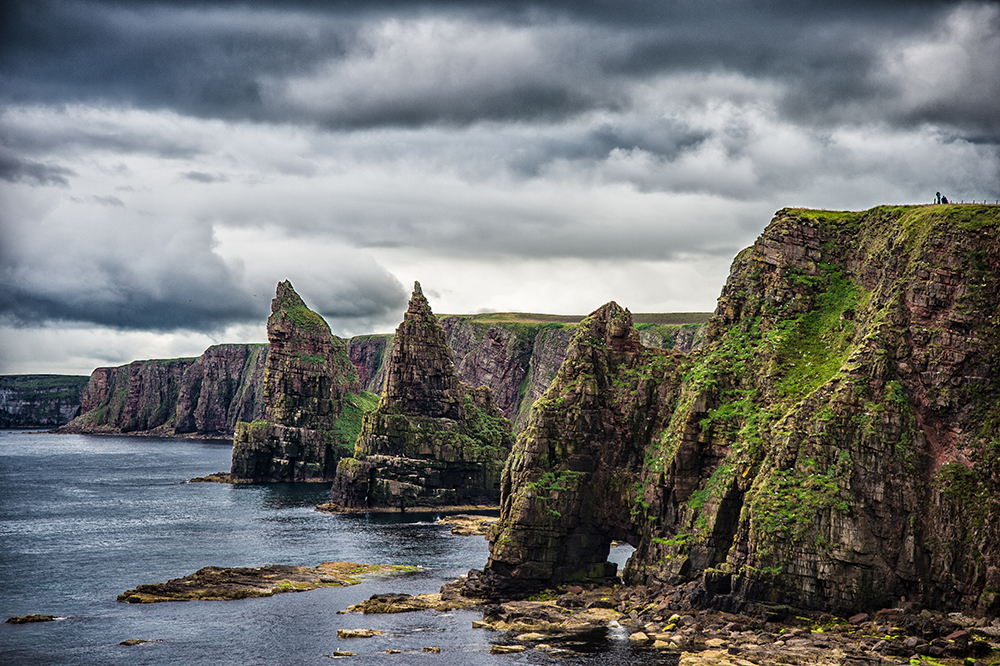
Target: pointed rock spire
{"x":421,"y":377}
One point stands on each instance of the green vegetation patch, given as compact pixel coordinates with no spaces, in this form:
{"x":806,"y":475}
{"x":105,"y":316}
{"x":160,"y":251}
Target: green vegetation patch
{"x":814,"y":346}
{"x":785,"y":506}
{"x":347,"y":428}
{"x":31,"y":388}
{"x":305,"y":318}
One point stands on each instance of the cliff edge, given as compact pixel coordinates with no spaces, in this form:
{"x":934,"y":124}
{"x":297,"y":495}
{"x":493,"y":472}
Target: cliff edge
{"x":833,"y":445}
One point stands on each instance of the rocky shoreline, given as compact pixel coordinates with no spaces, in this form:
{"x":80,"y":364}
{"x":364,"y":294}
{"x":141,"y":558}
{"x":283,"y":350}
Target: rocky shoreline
{"x":333,"y":507}
{"x":770,"y":635}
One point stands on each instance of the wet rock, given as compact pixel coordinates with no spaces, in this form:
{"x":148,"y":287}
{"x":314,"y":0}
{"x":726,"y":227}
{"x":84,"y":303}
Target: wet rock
{"x":469,"y":525}
{"x":28,"y":619}
{"x":358,"y":633}
{"x":217,"y":477}
{"x":405,"y":603}
{"x":342,"y":653}
{"x":136,"y":641}
{"x":506,"y":649}
{"x":221,"y":583}
{"x":432,"y":649}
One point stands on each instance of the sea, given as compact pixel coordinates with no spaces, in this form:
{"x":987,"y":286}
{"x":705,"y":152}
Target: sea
{"x":85,"y":518}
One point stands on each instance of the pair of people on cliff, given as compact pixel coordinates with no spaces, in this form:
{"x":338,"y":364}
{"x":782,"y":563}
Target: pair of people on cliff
{"x":941,"y":199}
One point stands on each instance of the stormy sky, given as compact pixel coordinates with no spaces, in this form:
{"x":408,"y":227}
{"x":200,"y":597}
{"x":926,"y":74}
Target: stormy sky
{"x":164,"y":164}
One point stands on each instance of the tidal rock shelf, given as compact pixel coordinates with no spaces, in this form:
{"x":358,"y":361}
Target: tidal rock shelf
{"x":334,"y":507}
{"x":220,"y":583}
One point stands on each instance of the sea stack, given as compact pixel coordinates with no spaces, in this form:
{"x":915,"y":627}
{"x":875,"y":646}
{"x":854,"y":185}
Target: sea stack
{"x":310,"y":386}
{"x":433,"y":441}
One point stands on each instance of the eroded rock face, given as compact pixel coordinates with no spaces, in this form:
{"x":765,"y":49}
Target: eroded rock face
{"x":432,"y":441}
{"x":308,"y":389}
{"x":833,"y":445}
{"x":140,"y":397}
{"x":39,"y":400}
{"x":203,"y":397}
{"x":565,"y":486}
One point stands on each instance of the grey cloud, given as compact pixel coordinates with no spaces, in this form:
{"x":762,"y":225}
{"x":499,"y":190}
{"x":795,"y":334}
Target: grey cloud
{"x":235,"y":60}
{"x":109,"y":201}
{"x":200,"y":177}
{"x":14,"y":168}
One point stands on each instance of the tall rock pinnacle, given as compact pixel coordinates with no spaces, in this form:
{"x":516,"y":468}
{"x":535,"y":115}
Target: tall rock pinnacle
{"x":307,"y":377}
{"x":421,"y":377}
{"x":433,"y":441}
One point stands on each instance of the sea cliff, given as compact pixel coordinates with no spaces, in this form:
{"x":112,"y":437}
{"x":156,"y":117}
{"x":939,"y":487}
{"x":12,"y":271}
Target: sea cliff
{"x":39,"y":400}
{"x":515,"y":355}
{"x":833,"y":444}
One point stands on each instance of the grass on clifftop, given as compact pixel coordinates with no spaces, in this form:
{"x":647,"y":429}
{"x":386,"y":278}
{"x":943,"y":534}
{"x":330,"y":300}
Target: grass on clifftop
{"x":537,"y":318}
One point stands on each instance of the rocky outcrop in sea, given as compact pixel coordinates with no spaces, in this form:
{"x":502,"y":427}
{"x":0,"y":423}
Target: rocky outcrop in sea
{"x":311,"y":396}
{"x":433,"y":440}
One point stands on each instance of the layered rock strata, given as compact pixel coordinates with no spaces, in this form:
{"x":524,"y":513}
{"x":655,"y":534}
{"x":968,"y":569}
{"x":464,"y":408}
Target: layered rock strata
{"x":39,"y":400}
{"x":202,"y":397}
{"x":311,"y":398}
{"x":833,"y":445}
{"x":516,"y":355}
{"x":433,"y":440}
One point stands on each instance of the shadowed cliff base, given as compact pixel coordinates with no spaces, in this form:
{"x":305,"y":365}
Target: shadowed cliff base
{"x":832,"y":445}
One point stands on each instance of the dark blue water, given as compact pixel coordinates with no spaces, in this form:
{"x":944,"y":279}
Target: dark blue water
{"x":83,"y":519}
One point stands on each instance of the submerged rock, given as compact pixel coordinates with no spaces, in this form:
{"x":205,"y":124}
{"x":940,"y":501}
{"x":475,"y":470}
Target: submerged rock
{"x":433,"y":441}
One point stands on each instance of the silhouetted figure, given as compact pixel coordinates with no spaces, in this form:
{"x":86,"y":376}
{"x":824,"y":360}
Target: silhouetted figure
{"x":939,"y":197}
{"x":944,"y":199}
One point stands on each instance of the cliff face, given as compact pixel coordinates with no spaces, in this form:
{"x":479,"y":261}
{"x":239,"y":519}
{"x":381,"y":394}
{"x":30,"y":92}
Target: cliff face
{"x":140,"y":397}
{"x":370,"y":356}
{"x":308,"y":379}
{"x":833,"y":444}
{"x":517,"y":361}
{"x":221,"y":388}
{"x":204,"y":397}
{"x":433,"y":440}
{"x":39,"y":400}
{"x":225,"y":385}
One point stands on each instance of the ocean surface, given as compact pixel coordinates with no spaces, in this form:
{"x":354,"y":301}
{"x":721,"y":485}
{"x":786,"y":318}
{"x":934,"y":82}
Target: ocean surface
{"x":82,"y":519}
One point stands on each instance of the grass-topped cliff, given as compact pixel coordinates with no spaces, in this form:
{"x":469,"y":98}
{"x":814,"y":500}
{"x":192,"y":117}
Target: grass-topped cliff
{"x":833,"y":444}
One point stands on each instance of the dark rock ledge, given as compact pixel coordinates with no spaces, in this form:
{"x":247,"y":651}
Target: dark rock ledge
{"x":219,"y":583}
{"x":763,"y":635}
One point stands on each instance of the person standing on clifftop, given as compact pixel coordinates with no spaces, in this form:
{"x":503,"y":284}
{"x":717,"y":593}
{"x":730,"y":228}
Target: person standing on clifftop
{"x":939,"y":197}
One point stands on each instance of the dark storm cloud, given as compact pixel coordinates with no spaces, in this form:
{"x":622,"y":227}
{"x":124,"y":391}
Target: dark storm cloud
{"x":116,"y":294}
{"x":236,"y":60}
{"x":14,"y":168}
